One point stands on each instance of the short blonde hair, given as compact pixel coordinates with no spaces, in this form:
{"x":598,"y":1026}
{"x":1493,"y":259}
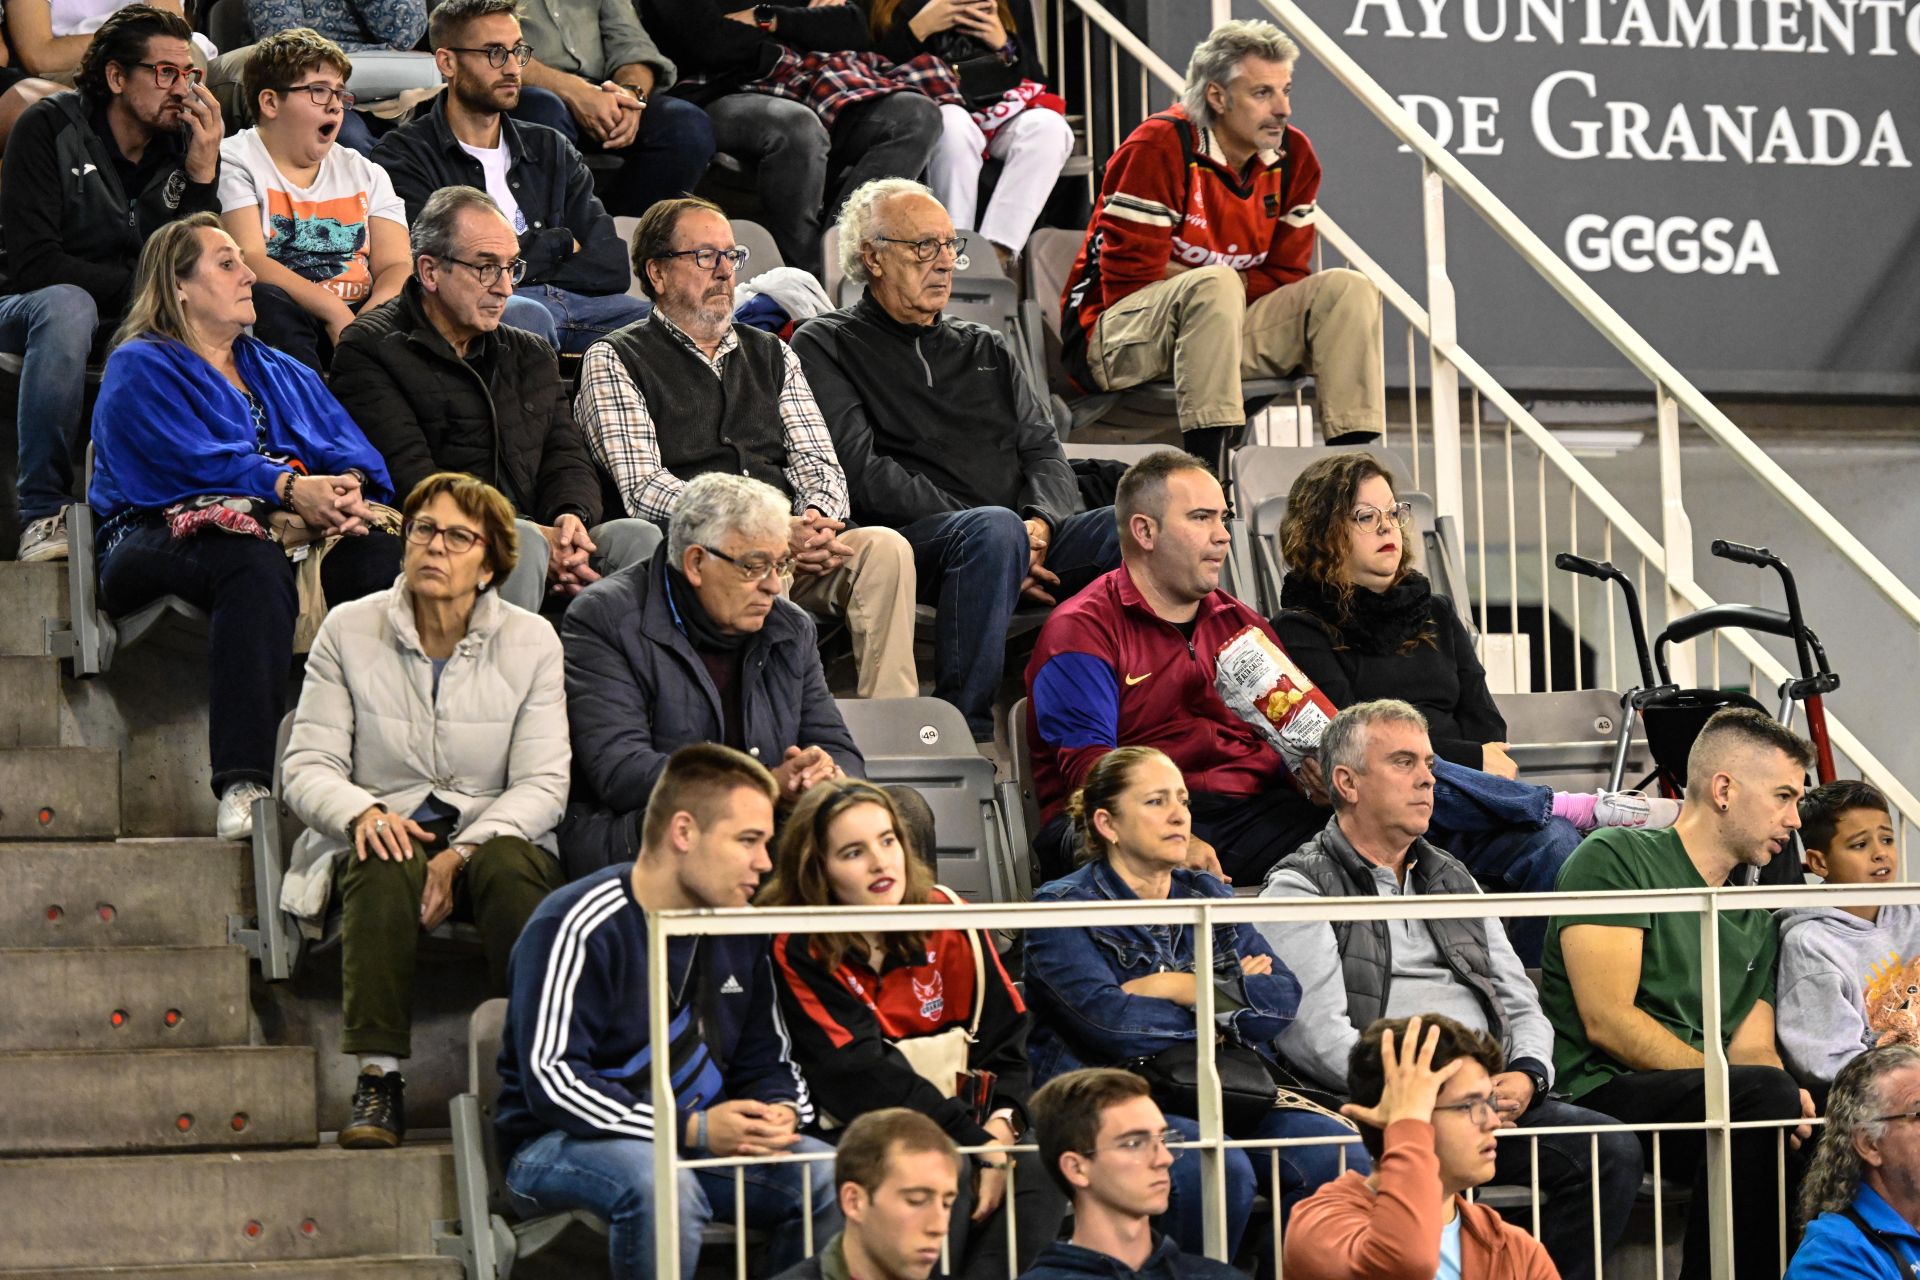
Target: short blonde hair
{"x":478,"y":501}
{"x":170,"y":255}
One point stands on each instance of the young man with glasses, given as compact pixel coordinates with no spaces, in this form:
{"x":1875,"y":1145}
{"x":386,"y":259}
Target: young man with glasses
{"x":944,"y":439}
{"x":694,"y":645}
{"x":740,"y":403}
{"x":1424,"y":1097}
{"x":576,"y":266}
{"x":1107,"y":1146}
{"x":319,"y":223}
{"x":88,"y":176}
{"x":439,"y":383}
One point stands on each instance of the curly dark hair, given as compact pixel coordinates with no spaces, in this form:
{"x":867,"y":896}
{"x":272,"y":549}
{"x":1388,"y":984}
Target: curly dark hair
{"x":122,"y":39}
{"x":1314,"y":536}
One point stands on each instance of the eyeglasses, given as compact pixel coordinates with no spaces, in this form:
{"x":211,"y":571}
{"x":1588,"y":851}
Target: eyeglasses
{"x":490,"y":272}
{"x":1370,"y":517}
{"x":1898,"y":1115}
{"x":497,"y":54}
{"x":167,"y":74}
{"x":1478,"y":1110}
{"x":324,"y":94}
{"x":929,"y":249}
{"x":420,"y":533}
{"x":752,"y":568}
{"x":708,"y":259}
{"x":1144,"y":1144}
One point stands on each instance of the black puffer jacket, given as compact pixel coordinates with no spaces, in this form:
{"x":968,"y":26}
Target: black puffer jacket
{"x":505,"y":418}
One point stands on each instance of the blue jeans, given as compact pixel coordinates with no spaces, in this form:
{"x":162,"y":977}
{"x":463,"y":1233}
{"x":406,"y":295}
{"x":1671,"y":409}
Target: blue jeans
{"x":1303,"y":1170}
{"x":579,"y":319}
{"x":666,"y":158}
{"x":617,"y":544}
{"x":613,"y":1179}
{"x":52,"y":330}
{"x":529,"y":316}
{"x":1505,"y":832}
{"x":970,"y":565}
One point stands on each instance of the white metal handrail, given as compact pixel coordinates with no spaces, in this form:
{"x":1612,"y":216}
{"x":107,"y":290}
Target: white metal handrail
{"x":1201,"y":915}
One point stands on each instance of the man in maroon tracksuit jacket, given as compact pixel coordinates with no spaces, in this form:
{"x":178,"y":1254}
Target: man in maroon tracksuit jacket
{"x":1198,"y":264}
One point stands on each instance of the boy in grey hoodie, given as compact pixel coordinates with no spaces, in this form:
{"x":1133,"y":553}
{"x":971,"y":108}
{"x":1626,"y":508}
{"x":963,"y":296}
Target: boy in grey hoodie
{"x":1845,"y":971}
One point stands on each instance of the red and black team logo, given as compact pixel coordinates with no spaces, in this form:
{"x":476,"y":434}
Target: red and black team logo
{"x":1273,"y":205}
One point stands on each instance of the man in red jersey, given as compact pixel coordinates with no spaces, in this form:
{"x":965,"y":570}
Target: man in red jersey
{"x":1198,"y":263}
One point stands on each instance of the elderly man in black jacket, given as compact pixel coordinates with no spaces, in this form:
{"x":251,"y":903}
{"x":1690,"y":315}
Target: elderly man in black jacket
{"x":439,"y":384}
{"x":943,"y":439}
{"x":576,"y":266}
{"x":697,"y":645}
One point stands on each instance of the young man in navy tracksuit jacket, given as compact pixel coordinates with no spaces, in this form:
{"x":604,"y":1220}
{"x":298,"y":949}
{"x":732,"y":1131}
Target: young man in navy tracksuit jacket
{"x":576,"y":1114}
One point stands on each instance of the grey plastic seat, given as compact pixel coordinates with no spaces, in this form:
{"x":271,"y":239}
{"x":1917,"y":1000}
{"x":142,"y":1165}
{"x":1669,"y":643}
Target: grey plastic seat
{"x":1566,"y":739}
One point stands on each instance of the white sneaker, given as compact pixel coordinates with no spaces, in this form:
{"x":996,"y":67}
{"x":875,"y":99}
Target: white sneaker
{"x":44,"y":539}
{"x":236,"y":811}
{"x":1634,"y":809}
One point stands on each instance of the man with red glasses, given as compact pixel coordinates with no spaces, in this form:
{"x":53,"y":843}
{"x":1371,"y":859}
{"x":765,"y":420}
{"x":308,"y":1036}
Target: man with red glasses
{"x":89,"y":175}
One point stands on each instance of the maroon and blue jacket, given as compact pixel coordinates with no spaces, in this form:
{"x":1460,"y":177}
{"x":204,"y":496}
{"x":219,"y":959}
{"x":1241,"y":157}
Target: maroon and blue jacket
{"x":1110,"y":672}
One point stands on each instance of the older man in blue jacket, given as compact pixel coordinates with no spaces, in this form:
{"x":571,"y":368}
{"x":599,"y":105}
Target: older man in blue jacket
{"x":1861,"y":1196}
{"x":696,"y":645}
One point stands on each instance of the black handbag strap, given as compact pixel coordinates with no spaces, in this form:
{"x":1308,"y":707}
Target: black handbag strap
{"x":1901,"y":1262}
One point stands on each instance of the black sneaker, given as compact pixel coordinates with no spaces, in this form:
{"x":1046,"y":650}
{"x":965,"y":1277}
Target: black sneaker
{"x":379,"y":1111}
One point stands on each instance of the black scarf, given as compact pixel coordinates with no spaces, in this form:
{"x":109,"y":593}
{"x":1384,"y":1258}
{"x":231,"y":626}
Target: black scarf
{"x":1380,"y":622}
{"x":694,"y":623}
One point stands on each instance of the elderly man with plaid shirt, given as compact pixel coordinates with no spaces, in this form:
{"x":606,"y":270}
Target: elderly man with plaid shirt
{"x":740,"y":403}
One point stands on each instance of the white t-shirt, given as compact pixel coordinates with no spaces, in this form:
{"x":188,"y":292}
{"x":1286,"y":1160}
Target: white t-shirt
{"x":493,"y":163}
{"x":320,"y":232}
{"x":1450,"y":1250}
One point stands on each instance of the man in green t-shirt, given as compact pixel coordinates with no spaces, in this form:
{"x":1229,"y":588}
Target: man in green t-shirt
{"x":1623,"y":991}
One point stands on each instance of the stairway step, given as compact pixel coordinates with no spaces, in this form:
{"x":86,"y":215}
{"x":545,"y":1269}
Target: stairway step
{"x":398,"y":1267}
{"x":59,"y":793}
{"x":191,"y":1210}
{"x":123,"y":998}
{"x":253,"y":1096}
{"x":34,"y":593}
{"x":129,"y":893}
{"x":29,"y":702}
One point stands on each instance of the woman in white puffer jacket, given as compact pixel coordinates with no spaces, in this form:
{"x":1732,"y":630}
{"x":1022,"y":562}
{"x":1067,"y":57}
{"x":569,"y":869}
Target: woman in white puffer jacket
{"x":429,"y":760}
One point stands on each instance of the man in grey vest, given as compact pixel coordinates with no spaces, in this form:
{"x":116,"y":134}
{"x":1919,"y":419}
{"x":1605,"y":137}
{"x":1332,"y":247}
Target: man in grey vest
{"x":687,"y":391}
{"x":1378,"y":763}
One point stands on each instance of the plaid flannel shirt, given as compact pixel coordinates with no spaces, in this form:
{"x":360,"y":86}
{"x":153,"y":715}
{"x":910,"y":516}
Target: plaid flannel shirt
{"x":625,"y":441}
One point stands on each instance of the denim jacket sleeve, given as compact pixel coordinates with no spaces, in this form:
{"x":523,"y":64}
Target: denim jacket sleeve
{"x":1272,"y":998}
{"x":1076,"y":986}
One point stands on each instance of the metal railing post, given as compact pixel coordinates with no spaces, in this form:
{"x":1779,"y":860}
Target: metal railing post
{"x":1719,"y":1172}
{"x":666,"y":1120}
{"x":1213,"y":1157}
{"x":1676,"y":532}
{"x":1443,"y":378}
{"x":1222,"y":10}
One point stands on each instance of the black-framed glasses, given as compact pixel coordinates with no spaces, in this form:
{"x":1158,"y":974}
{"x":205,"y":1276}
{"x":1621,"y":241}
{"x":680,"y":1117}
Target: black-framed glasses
{"x":490,"y":272}
{"x":1143,"y":1144}
{"x":324,"y":94}
{"x":1898,"y":1115}
{"x":1371,"y":517}
{"x":497,"y":54}
{"x":167,"y":74}
{"x":929,"y":249}
{"x":752,"y":568}
{"x":420,"y":532}
{"x":1478,"y":1110}
{"x":708,"y":259}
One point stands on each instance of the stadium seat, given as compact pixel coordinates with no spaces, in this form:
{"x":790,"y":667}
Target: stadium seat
{"x":1049,"y":257}
{"x":1567,"y":739}
{"x":980,"y":832}
{"x":1022,"y":785}
{"x":763,"y":254}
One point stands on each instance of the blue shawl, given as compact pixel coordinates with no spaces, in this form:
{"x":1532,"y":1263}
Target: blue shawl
{"x":168,"y":426}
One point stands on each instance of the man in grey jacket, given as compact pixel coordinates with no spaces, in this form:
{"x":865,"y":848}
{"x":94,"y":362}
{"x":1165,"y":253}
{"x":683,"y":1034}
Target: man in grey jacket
{"x":1378,"y":764}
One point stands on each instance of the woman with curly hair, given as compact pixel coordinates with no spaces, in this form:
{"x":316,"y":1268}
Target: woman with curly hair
{"x":1365,"y":624}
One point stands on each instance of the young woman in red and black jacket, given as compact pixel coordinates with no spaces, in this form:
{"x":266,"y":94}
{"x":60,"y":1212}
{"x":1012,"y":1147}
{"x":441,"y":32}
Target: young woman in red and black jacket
{"x":864,"y":1009}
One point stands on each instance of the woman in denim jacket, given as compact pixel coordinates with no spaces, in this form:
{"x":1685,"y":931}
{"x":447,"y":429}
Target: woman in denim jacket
{"x":1107,"y":994}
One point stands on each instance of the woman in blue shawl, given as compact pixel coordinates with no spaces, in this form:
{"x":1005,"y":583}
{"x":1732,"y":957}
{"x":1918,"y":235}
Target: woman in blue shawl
{"x":202,"y":436}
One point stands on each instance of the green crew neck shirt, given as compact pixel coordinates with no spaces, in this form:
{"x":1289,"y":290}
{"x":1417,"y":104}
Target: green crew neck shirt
{"x":1615,"y":858}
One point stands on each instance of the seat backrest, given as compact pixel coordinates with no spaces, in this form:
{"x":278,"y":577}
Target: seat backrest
{"x":907,"y":727}
{"x":626,"y":226}
{"x":762,"y":253}
{"x":971,"y":844}
{"x":290,"y":826}
{"x":1566,"y":739}
{"x":992,"y":301}
{"x":486,"y":1030}
{"x":830,"y":251}
{"x":1022,"y":748}
{"x":1050,"y":253}
{"x":1260,"y":470}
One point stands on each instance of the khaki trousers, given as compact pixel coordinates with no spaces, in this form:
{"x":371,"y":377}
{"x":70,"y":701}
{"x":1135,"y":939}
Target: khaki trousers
{"x":874,"y":590}
{"x":1198,"y":329}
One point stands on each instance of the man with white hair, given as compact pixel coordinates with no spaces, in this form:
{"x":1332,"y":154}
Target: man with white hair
{"x":1198,"y":265}
{"x":695,"y":645}
{"x":943,"y":439}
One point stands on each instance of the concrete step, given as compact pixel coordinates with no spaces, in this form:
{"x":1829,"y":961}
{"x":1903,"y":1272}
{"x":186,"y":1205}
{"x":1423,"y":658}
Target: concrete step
{"x":29,"y":702}
{"x":123,"y":998}
{"x":399,"y":1267}
{"x":156,"y":1100}
{"x":254,"y":1206}
{"x":34,"y":593}
{"x":59,"y":793}
{"x":129,"y":893}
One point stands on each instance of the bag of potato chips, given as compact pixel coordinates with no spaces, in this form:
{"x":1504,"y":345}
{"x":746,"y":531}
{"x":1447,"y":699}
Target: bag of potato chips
{"x":1262,"y":685}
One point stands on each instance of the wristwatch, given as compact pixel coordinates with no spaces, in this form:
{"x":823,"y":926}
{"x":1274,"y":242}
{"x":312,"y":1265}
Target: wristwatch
{"x":764,"y":17}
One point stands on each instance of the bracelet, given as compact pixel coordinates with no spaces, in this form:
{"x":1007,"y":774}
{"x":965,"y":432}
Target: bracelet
{"x":283,"y":489}
{"x":700,"y":1132}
